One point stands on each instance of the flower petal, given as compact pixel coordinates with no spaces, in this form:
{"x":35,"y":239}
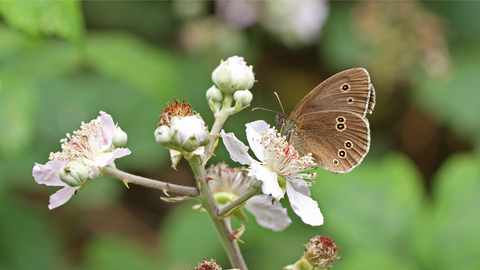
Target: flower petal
{"x":254,"y":136}
{"x":62,"y":196}
{"x":48,"y":174}
{"x":108,"y":127}
{"x":238,"y":151}
{"x":103,"y":160}
{"x":305,"y":207}
{"x":270,"y":184}
{"x":269,"y":216}
{"x":301,"y":186}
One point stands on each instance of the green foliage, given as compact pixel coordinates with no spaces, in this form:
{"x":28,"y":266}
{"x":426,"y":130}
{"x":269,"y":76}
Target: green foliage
{"x":27,"y":233}
{"x":454,"y":98}
{"x":45,"y":17}
{"x":54,"y":74}
{"x":118,"y":253}
{"x":449,"y":230}
{"x":187,"y":237}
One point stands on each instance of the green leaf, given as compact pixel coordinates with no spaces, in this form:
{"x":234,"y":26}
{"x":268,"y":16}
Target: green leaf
{"x":116,"y":253}
{"x":375,"y":208}
{"x":339,"y":46}
{"x":449,"y":237}
{"x":188,"y":236}
{"x":17,"y":106}
{"x":27,"y":237}
{"x":133,"y":61}
{"x":46,"y":17}
{"x":454,"y":98}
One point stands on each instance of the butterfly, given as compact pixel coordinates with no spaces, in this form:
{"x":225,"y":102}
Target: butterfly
{"x":330,"y":121}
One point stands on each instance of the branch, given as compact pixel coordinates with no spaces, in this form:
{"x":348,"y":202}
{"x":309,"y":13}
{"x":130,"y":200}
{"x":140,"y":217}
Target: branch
{"x":166,"y":187}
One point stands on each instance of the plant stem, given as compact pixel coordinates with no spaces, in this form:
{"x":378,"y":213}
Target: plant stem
{"x":241,"y":200}
{"x":221,"y":225}
{"x":220,"y":118}
{"x":130,"y":178}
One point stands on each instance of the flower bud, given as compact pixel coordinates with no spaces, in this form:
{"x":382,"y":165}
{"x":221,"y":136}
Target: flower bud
{"x":214,"y":94}
{"x":233,"y":74}
{"x":74,"y":174}
{"x":163,"y":135}
{"x":189,"y":132}
{"x":119,"y":138}
{"x":243,"y":96}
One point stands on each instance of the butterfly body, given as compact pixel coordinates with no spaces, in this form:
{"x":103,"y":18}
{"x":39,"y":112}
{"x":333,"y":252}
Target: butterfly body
{"x":330,"y":121}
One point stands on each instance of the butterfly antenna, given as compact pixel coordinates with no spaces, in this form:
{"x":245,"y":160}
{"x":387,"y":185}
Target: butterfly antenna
{"x":281,"y":106}
{"x":260,"y":108}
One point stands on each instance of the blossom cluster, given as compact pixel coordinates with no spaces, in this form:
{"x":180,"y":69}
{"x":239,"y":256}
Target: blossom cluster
{"x":84,"y":154}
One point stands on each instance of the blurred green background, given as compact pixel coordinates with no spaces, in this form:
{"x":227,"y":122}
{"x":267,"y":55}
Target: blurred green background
{"x":412,"y":204}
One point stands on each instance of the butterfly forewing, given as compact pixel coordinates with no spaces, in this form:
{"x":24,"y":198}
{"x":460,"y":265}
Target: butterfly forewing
{"x":348,"y":90}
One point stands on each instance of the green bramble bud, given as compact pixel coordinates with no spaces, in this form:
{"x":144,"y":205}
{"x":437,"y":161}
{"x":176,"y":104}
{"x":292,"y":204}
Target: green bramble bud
{"x":243,"y":96}
{"x":119,"y":138}
{"x":163,"y":135}
{"x":189,"y":132}
{"x":214,"y":94}
{"x":74,"y":173}
{"x":233,"y":74}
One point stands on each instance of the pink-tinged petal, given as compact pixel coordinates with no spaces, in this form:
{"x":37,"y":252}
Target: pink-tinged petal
{"x":101,"y":160}
{"x":109,"y":157}
{"x":108,"y":127}
{"x":305,"y":207}
{"x":121,"y":152}
{"x":254,"y":136}
{"x":238,"y":151}
{"x":62,"y":196}
{"x":269,"y":216}
{"x":270,"y":184}
{"x":189,"y":126}
{"x":48,"y":174}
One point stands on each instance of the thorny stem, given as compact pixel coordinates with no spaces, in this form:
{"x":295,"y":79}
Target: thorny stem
{"x":221,"y":225}
{"x":166,"y":187}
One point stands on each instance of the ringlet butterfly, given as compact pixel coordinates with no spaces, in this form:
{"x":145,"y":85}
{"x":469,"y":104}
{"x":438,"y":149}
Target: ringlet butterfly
{"x":330,"y":121}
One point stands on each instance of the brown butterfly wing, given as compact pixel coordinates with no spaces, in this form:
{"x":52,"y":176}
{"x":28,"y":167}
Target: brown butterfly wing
{"x":349,"y":90}
{"x":338,"y":140}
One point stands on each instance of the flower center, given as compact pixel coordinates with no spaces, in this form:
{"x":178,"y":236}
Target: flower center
{"x":223,"y":198}
{"x":85,"y":143}
{"x":283,"y":159}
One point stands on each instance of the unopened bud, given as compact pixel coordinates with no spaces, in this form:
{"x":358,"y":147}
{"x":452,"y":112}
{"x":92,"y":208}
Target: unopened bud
{"x":214,"y":94}
{"x":243,"y":96}
{"x":163,"y":135}
{"x":190,"y":132}
{"x":74,"y":173}
{"x":233,"y":74}
{"x":119,"y":138}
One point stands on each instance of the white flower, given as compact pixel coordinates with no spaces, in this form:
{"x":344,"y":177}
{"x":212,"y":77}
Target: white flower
{"x":91,"y":146}
{"x":228,"y":184}
{"x":279,"y":168}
